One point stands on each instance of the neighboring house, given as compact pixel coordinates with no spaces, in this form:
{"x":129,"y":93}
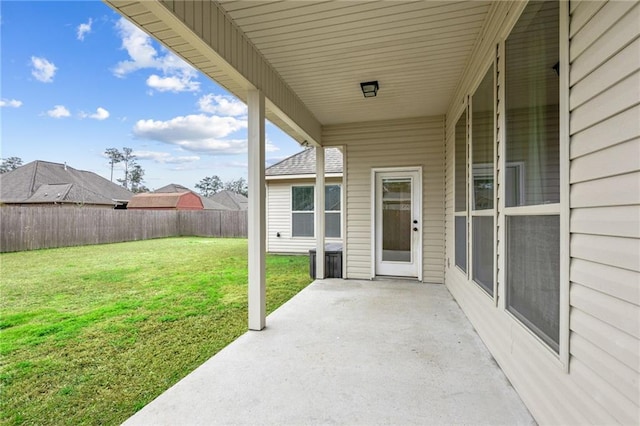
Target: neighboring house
{"x":290,"y":201}
{"x":47,"y":183}
{"x":208,"y":203}
{"x":231,"y":200}
{"x":508,"y":129}
{"x":166,"y":201}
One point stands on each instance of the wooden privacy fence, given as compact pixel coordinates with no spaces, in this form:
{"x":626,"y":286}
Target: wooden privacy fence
{"x":31,"y":228}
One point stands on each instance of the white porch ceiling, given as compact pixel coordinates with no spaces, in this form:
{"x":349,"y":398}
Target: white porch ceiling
{"x":323,"y":50}
{"x":416,"y":50}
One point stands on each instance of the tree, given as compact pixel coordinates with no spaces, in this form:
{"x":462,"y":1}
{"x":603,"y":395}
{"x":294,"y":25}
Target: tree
{"x":129,"y":161}
{"x":209,"y":185}
{"x":114,"y":156}
{"x":10,"y":163}
{"x":239,"y":186}
{"x":133,"y":172}
{"x":135,"y":179}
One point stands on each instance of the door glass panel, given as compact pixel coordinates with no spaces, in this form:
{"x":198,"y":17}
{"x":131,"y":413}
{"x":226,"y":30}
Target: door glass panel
{"x":396,"y":220}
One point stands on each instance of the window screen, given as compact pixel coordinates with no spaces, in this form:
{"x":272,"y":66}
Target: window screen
{"x":533,"y":273}
{"x":461,"y":242}
{"x":483,"y":252}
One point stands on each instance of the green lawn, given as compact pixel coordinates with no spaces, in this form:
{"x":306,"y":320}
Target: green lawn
{"x":89,"y":335}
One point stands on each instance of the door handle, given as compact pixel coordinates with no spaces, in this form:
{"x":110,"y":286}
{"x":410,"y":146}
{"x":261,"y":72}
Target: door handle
{"x":415,"y":229}
{"x":415,"y":221}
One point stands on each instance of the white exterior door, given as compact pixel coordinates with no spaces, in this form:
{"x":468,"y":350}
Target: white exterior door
{"x":398,"y":223}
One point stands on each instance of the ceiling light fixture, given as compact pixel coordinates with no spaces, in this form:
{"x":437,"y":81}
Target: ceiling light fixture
{"x":370,"y":88}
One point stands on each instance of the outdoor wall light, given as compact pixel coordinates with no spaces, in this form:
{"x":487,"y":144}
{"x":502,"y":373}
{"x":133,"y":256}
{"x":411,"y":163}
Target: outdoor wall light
{"x":370,"y":88}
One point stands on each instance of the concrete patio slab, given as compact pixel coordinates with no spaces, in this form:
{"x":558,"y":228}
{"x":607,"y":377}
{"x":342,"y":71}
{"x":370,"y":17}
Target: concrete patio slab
{"x":349,"y":352}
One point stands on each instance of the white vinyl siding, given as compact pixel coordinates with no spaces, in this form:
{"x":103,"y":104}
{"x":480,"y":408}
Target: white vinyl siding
{"x":394,"y":143}
{"x":605,"y":205}
{"x":279,"y":217}
{"x":600,"y":384}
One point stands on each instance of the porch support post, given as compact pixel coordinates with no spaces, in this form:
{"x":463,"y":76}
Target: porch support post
{"x":256,"y":213}
{"x":319,"y":204}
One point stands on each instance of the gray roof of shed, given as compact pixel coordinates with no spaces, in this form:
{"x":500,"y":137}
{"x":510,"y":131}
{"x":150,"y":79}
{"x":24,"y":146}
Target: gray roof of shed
{"x":47,"y":182}
{"x":304,"y":163}
{"x":208,"y":203}
{"x":231,"y":199}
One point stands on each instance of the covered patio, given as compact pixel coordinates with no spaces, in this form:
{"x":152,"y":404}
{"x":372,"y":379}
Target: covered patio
{"x":503,"y":137}
{"x":349,"y":352}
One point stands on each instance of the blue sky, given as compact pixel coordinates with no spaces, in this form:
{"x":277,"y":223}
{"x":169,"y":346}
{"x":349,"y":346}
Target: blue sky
{"x":76,"y":78}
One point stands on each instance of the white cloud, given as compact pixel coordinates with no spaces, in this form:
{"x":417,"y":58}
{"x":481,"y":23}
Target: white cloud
{"x":222,"y":105}
{"x":174,"y":84}
{"x":178,"y":76}
{"x":100,"y":114}
{"x":84,"y":29}
{"x":165,"y":157}
{"x":138,"y":46}
{"x":11,"y":103}
{"x":189,"y":127}
{"x":58,"y":111}
{"x":235,"y":164}
{"x":198,"y":133}
{"x":270,"y":147}
{"x":43,"y":70}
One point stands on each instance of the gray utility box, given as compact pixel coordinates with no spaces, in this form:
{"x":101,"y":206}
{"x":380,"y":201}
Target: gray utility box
{"x":332,"y":261}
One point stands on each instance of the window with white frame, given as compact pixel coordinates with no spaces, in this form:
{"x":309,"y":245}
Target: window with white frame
{"x":303,"y":211}
{"x":460,"y":202}
{"x":532,"y":149}
{"x":302,"y":202}
{"x":482,"y":182}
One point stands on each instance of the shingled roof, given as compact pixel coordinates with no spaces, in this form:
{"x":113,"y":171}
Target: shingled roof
{"x":165,"y":200}
{"x":232,"y":200}
{"x":304,"y":163}
{"x":46,"y":182}
{"x":208,"y":203}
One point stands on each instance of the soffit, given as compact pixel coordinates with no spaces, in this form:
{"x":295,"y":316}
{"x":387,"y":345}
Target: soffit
{"x":416,"y":50}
